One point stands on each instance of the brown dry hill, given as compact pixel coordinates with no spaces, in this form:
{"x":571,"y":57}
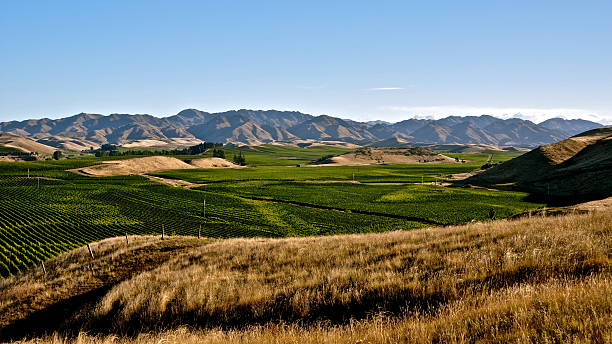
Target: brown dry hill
{"x":25,"y":144}
{"x":532,"y":280}
{"x":395,"y":155}
{"x":150,"y":164}
{"x":65,"y":143}
{"x":580,"y":166}
{"x":213,"y":163}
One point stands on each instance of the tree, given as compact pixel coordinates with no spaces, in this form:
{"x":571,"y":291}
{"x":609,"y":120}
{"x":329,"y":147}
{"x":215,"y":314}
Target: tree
{"x":239,"y":159}
{"x":108,"y":147}
{"x":197,"y":149}
{"x":218,"y":153}
{"x":57,"y":155}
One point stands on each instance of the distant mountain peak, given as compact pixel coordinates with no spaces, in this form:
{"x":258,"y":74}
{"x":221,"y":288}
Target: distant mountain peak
{"x":260,"y":126}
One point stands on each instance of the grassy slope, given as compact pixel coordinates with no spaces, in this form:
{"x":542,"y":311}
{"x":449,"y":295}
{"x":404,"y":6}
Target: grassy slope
{"x":4,"y":150}
{"x":528,"y":280}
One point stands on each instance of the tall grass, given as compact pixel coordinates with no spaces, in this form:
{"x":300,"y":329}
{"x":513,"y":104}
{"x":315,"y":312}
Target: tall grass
{"x":530,"y":280}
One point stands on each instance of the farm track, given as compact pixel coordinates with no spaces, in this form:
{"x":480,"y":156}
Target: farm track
{"x":363,"y":212}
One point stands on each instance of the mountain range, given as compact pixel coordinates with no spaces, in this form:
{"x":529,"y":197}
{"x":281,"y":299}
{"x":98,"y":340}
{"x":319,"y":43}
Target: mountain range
{"x":254,"y":127}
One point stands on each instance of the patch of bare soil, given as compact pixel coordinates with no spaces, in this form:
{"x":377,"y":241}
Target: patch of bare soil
{"x":213,"y":163}
{"x":137,"y":166}
{"x":177,"y":183}
{"x":373,"y":156}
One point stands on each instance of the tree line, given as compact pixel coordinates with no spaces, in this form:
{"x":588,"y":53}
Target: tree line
{"x":113,"y":150}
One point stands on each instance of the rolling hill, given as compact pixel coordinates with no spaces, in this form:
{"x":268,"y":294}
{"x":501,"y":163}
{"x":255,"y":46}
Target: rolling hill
{"x":528,"y":280}
{"x":24,"y":144}
{"x":578,"y":167}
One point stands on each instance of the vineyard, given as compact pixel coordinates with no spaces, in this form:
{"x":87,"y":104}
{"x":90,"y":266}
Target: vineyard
{"x":46,"y":210}
{"x":435,"y":204}
{"x":54,"y":211}
{"x":410,"y":173}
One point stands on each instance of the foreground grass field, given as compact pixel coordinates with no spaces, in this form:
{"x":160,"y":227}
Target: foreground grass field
{"x":46,"y":210}
{"x":540,"y":280}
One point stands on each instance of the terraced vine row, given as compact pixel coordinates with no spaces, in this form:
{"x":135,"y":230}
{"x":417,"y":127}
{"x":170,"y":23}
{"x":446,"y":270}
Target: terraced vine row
{"x":54,"y":210}
{"x":41,"y":217}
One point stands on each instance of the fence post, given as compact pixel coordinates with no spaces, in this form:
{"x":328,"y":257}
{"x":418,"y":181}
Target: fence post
{"x":200,"y":231}
{"x":127,"y":241}
{"x":90,"y":251}
{"x":43,"y":267}
{"x":163,"y":232}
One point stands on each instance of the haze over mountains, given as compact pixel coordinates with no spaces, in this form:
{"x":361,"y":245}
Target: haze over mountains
{"x":258,"y":127}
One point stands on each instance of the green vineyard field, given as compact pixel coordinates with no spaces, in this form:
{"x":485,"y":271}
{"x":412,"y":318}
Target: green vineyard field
{"x":372,"y":174}
{"x":54,"y":211}
{"x":437,"y":204}
{"x":46,"y":210}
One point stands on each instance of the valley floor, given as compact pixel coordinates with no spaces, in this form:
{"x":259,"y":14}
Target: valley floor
{"x":538,"y":279}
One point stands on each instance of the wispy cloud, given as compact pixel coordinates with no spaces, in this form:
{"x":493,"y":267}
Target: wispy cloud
{"x":386,"y":89}
{"x":532,"y":114}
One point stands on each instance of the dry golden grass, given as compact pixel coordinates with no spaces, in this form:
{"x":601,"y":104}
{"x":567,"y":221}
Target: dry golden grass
{"x":544,"y":280}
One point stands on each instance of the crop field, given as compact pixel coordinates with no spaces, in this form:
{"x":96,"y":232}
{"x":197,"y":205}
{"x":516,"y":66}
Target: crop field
{"x":410,"y":173}
{"x":272,"y":155}
{"x":46,"y":210}
{"x":273,"y":168}
{"x":431,"y":203}
{"x":54,"y":211}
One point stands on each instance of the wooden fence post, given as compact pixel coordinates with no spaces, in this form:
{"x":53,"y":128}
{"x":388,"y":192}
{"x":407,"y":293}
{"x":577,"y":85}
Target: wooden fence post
{"x":163,"y":232}
{"x":127,"y":241}
{"x":43,"y":267}
{"x":200,"y":231}
{"x":90,"y":251}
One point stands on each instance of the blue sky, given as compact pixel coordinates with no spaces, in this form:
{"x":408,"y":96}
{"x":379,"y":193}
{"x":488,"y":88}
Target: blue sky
{"x":363,"y":60}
